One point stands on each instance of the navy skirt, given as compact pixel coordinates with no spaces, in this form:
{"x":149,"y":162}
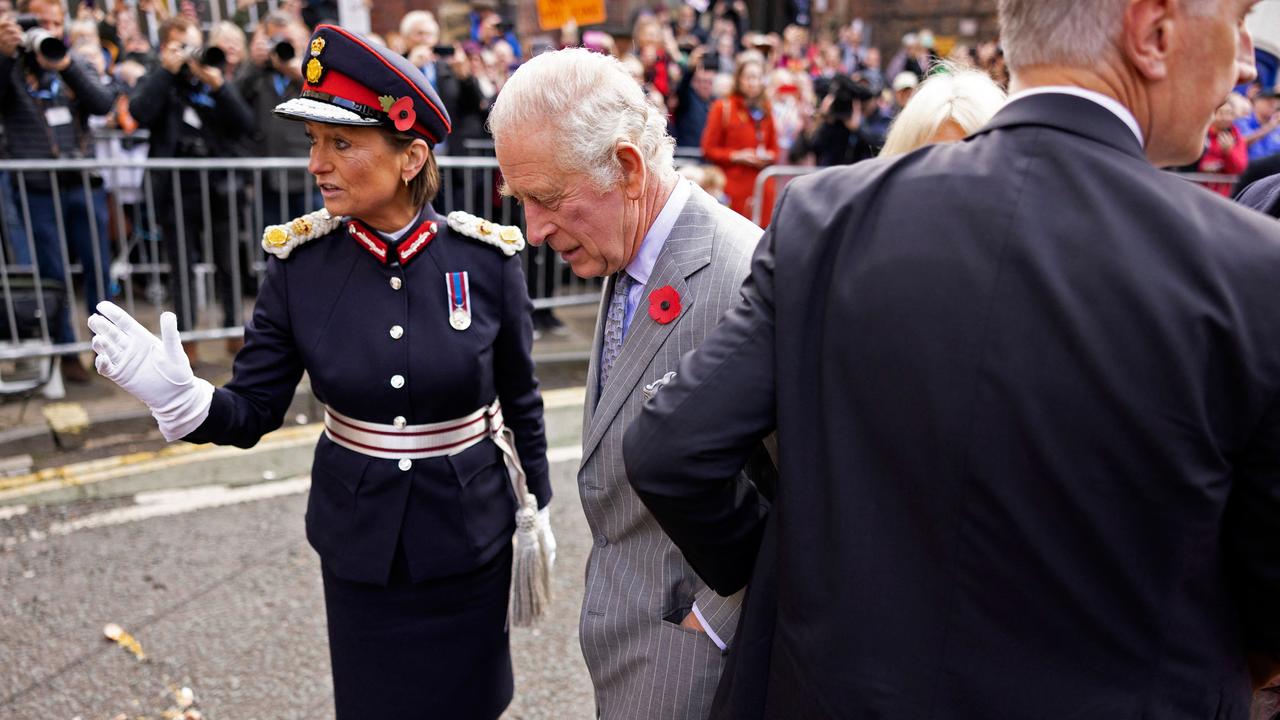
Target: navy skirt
{"x":434,"y":649}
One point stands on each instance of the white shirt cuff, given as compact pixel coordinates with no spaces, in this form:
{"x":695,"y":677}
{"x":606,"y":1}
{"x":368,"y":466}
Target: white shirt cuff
{"x":707,"y":627}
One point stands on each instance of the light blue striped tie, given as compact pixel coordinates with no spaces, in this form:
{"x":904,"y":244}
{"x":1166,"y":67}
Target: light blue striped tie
{"x":613,"y":321}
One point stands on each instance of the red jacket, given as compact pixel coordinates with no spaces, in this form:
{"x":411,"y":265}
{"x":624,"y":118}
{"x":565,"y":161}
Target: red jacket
{"x":1229,"y":162}
{"x":730,"y":129}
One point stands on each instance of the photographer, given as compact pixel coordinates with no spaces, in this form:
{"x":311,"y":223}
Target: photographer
{"x":274,"y":76}
{"x":46,"y":98}
{"x":193,"y":111}
{"x":851,"y":125}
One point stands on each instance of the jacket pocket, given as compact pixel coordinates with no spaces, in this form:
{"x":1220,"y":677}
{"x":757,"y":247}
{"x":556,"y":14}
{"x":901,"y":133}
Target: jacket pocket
{"x":488,"y":502}
{"x":334,"y":463}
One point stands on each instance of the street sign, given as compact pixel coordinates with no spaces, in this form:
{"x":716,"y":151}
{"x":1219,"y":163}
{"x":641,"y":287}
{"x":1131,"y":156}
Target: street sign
{"x":555,"y":14}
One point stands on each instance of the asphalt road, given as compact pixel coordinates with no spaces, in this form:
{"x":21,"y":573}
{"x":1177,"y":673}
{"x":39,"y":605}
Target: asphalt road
{"x":224,"y":600}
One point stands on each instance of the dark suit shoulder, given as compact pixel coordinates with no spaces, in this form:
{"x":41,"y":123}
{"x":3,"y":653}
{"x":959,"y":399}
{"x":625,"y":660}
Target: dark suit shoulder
{"x":1263,"y":195}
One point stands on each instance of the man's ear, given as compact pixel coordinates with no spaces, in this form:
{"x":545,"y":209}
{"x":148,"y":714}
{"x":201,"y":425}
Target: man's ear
{"x":415,"y":158}
{"x":1148,"y":35}
{"x":634,"y":173}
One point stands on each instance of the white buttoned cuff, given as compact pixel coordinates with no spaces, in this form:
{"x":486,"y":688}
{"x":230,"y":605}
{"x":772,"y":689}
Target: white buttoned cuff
{"x":711,"y":633}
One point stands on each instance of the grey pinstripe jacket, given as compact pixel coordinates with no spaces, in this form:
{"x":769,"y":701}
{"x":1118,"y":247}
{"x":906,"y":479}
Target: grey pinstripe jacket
{"x":638,"y":585}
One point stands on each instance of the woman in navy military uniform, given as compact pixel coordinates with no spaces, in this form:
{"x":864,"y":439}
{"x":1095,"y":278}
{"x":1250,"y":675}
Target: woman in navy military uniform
{"x":415,"y":331}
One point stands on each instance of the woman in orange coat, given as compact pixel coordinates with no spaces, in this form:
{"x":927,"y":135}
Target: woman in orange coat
{"x":741,"y":140}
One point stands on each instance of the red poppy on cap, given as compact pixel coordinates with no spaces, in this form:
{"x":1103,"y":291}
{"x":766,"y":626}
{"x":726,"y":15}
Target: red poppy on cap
{"x":664,"y":304}
{"x":402,"y":114}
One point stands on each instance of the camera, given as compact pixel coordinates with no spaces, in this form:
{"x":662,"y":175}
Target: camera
{"x":443,"y":51}
{"x":283,"y":49}
{"x":38,"y":40}
{"x":846,"y":91}
{"x":209,"y":56}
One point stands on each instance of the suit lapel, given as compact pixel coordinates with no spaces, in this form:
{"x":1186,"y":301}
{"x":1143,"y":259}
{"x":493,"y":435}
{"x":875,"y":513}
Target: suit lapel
{"x":687,"y":250}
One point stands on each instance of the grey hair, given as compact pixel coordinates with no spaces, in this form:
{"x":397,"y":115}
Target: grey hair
{"x":1075,"y":33}
{"x":588,"y":103}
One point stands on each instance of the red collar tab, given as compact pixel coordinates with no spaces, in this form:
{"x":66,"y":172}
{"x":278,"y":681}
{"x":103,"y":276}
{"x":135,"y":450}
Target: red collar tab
{"x":422,"y":233}
{"x":368,"y":239}
{"x":415,"y":240}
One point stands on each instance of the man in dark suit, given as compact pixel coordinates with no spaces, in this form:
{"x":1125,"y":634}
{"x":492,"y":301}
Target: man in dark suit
{"x":1263,"y":196}
{"x":1027,"y":395}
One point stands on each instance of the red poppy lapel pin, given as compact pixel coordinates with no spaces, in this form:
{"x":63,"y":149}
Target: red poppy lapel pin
{"x":664,"y":304}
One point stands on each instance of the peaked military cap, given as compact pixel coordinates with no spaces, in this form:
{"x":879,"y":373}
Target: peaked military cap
{"x":350,"y":80}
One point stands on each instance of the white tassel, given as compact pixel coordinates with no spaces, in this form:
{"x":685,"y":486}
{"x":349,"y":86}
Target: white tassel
{"x":531,"y":569}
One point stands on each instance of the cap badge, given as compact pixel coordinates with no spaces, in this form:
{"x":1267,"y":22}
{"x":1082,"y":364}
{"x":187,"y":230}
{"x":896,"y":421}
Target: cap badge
{"x":314,"y":71}
{"x":317,"y":46}
{"x":400,"y":111}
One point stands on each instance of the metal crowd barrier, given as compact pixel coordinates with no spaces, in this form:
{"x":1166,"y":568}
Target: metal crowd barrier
{"x":183,"y":235}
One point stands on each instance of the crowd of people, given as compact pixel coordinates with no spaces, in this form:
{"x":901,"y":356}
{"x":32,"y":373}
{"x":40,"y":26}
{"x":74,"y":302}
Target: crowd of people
{"x":737,"y":101}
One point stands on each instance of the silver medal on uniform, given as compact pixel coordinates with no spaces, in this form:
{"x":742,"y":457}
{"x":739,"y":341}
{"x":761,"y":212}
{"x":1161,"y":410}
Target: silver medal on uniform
{"x":458,"y":285}
{"x":460,"y":319}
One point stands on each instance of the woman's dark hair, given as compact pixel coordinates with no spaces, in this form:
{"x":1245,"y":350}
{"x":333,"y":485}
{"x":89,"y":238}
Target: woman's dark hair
{"x":424,"y":186}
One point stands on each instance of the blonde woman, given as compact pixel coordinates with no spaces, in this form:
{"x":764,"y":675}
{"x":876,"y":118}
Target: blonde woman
{"x":947,"y":107}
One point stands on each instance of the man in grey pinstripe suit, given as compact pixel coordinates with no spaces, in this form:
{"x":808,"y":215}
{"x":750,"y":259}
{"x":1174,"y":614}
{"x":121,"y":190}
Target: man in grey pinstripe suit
{"x":590,"y":160}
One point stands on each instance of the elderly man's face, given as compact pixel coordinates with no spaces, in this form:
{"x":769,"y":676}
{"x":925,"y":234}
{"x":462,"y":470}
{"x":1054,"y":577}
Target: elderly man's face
{"x":594,"y":232}
{"x":423,"y":32}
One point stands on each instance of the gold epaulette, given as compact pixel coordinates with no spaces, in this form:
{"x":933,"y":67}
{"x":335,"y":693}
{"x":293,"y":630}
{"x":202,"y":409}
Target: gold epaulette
{"x":280,"y":240}
{"x":506,"y":238}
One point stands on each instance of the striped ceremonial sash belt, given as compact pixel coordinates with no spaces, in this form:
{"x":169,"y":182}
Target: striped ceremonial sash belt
{"x":414,"y":442}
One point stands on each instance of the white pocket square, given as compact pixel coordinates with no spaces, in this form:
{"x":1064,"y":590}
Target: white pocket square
{"x":652,"y":388}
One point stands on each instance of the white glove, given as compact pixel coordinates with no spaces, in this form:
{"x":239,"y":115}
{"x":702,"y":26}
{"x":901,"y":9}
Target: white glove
{"x":154,"y":370}
{"x":543,"y":520}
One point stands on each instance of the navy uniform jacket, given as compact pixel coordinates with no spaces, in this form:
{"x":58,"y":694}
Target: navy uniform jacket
{"x":1027,"y":396}
{"x":329,"y":309}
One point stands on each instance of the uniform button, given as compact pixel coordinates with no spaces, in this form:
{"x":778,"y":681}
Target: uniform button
{"x":397,"y":381}
{"x":405,"y":464}
{"x":397,"y":332}
{"x":396,"y":283}
{"x":399,"y":422}
{"x":601,"y":541}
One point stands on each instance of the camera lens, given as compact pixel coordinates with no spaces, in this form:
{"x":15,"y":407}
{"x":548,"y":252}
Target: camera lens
{"x":284,"y":50}
{"x":44,"y":44}
{"x":213,"y":57}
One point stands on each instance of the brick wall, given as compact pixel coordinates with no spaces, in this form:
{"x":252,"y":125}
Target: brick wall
{"x":891,"y":19}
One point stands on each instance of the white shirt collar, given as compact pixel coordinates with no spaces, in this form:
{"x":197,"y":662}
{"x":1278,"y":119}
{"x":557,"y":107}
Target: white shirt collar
{"x":641,"y":266}
{"x":1105,"y":101}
